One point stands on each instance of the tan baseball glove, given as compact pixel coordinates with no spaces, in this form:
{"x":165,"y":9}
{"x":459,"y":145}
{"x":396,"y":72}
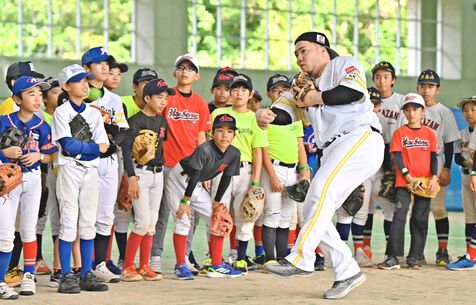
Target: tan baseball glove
{"x":253,"y":204}
{"x":421,"y":187}
{"x":124,"y":201}
{"x":144,"y":147}
{"x":301,"y":84}
{"x":10,"y":177}
{"x":221,"y":223}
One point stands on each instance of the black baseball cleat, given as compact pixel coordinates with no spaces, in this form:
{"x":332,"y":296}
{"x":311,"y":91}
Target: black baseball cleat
{"x":92,"y":283}
{"x":69,"y":284}
{"x":283,"y":268}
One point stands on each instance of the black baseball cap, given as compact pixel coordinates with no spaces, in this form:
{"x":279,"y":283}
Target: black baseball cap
{"x":114,"y":64}
{"x":277,"y":79}
{"x":21,"y":68}
{"x":222,"y":78}
{"x":227,"y":70}
{"x":384,"y":65}
{"x":53,"y":82}
{"x":257,"y":95}
{"x":374,"y":94}
{"x":320,"y":39}
{"x":243,"y":80}
{"x":224,"y":120}
{"x":429,"y":77}
{"x":144,"y":74}
{"x":157,"y":86}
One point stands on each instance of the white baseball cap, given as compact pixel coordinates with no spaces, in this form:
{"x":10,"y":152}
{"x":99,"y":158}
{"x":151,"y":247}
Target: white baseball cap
{"x":73,"y":73}
{"x":189,"y":58}
{"x":413,"y":98}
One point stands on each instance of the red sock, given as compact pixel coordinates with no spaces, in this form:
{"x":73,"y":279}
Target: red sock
{"x":131,"y":249}
{"x":319,"y":251}
{"x":291,"y":238}
{"x":233,"y":241}
{"x":358,"y":245}
{"x":257,"y":236}
{"x":29,"y":256}
{"x":216,"y":243}
{"x":471,"y":253}
{"x":367,"y":242}
{"x":109,"y":246}
{"x":145,"y":247}
{"x":180,"y":247}
{"x":443,"y":244}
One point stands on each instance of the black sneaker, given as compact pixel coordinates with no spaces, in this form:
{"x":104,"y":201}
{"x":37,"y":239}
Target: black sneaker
{"x":69,"y":284}
{"x":442,"y":257}
{"x":193,"y":261}
{"x":413,"y":263}
{"x":259,"y":260}
{"x":92,"y":283}
{"x":55,"y":278}
{"x":390,"y":263}
{"x":319,"y":263}
{"x":77,"y":272}
{"x":251,"y":265}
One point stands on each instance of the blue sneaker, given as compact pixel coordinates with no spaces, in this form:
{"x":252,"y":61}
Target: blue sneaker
{"x":463,"y":263}
{"x":183,"y":273}
{"x":221,"y":271}
{"x":113,"y":267}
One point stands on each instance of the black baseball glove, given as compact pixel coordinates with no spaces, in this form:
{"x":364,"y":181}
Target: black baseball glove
{"x":13,"y":137}
{"x":387,"y":189}
{"x":80,"y":129}
{"x":298,"y":191}
{"x":354,"y":202}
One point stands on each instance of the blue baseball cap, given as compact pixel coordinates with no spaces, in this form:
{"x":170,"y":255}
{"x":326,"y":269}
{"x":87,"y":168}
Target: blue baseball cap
{"x":26,"y":82}
{"x":95,"y":55}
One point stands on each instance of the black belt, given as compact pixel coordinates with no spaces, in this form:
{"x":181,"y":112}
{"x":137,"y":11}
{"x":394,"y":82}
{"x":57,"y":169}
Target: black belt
{"x":344,"y":133}
{"x":154,"y":169}
{"x":288,"y":165}
{"x":245,"y":163}
{"x":466,"y":171}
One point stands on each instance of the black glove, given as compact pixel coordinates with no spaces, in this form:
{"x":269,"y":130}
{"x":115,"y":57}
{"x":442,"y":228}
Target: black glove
{"x":298,"y":191}
{"x":354,"y":202}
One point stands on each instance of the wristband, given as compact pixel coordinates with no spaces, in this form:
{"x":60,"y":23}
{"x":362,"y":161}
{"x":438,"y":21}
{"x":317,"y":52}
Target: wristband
{"x":303,"y":167}
{"x":184,"y":201}
{"x":404,"y":171}
{"x":473,"y":173}
{"x":255,"y":183}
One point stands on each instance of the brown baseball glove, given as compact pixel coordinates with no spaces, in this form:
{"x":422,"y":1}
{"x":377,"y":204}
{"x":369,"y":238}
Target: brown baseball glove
{"x":144,"y":147}
{"x":221,"y":223}
{"x":253,"y":204}
{"x":421,"y":187}
{"x":301,"y":84}
{"x":124,"y":201}
{"x":10,"y":177}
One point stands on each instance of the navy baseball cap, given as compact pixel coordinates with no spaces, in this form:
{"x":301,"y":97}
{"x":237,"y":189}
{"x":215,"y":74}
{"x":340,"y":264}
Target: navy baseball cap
{"x":429,"y":77}
{"x":22,"y":68}
{"x":53,"y":82}
{"x":114,"y":64}
{"x":320,"y":39}
{"x":95,"y":55}
{"x":374,"y":94}
{"x":157,"y":86}
{"x":242,"y":80}
{"x":227,"y":70}
{"x":224,"y":120}
{"x":257,"y":95}
{"x":144,"y":74}
{"x":277,"y":79}
{"x":222,"y":78}
{"x":26,"y":82}
{"x":384,"y":65}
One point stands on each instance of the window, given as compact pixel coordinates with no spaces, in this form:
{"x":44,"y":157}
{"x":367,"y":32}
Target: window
{"x":65,"y":29}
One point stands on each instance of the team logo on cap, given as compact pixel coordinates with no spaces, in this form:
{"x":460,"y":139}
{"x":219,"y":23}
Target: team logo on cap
{"x":226,"y":118}
{"x":429,"y":76}
{"x":320,"y":39}
{"x":410,"y":98}
{"x":148,"y":73}
{"x":32,"y":80}
{"x":102,"y":51}
{"x":161,"y":83}
{"x":240,"y":77}
{"x":223,"y":77}
{"x":280,"y":78}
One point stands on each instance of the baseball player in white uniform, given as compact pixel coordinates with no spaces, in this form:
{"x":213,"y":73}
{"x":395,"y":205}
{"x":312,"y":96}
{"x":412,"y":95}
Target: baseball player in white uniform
{"x":348,"y":131}
{"x":77,"y":186}
{"x":441,"y":119}
{"x":96,"y":61}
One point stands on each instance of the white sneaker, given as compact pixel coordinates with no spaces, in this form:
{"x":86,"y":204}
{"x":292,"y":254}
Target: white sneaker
{"x":104,"y":275}
{"x":28,"y":285}
{"x":155,"y":264}
{"x":362,"y":259}
{"x":190,"y":266}
{"x":7,"y":293}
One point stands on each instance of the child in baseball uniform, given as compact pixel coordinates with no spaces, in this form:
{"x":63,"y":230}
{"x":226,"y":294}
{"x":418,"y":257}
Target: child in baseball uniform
{"x":115,"y":74}
{"x":441,"y":120}
{"x":255,"y":103}
{"x":185,"y":192}
{"x":96,"y":61}
{"x":464,"y":156}
{"x":221,"y":88}
{"x":414,"y":147}
{"x":146,"y":181}
{"x":250,"y":139}
{"x":384,"y":77}
{"x":78,"y":181}
{"x":27,"y":93}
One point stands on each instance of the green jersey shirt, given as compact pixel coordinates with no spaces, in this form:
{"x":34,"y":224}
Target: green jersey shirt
{"x":131,"y":106}
{"x":283,"y":141}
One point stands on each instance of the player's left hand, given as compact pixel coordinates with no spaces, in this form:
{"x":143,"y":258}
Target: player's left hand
{"x":184,"y":209}
{"x":30,"y":158}
{"x":444,"y":178}
{"x":473,"y":183}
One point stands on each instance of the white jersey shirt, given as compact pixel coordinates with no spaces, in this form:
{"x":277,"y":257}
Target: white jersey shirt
{"x":462,"y":146}
{"x":60,"y":129}
{"x":331,"y":121}
{"x":442,"y":121}
{"x":393,"y":115}
{"x":112,"y":103}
